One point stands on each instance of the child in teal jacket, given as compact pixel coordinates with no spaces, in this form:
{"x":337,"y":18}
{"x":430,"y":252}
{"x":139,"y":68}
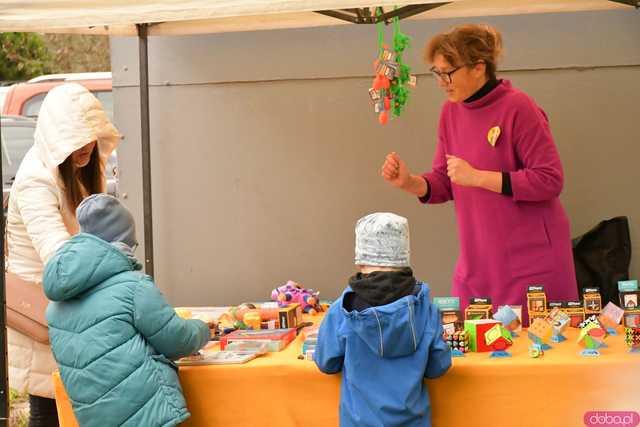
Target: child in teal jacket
{"x":112,"y":332}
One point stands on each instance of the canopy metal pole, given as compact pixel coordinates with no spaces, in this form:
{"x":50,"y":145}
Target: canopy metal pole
{"x":4,"y":385}
{"x":146,"y":148}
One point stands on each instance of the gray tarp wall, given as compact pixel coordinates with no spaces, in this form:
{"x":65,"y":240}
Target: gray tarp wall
{"x":265,"y":150}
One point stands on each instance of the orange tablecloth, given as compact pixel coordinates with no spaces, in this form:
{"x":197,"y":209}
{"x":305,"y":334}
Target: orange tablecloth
{"x":555,"y":390}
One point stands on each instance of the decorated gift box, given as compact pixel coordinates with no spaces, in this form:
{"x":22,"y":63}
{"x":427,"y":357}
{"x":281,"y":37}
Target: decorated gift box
{"x":632,"y":339}
{"x":610,"y":317}
{"x":536,"y":302}
{"x":478,"y":308}
{"x":458,"y":342}
{"x":511,"y":317}
{"x":559,"y":322}
{"x":450,"y":313}
{"x":629,"y":302}
{"x":592,"y":301}
{"x":476,"y":330}
{"x":575,"y":311}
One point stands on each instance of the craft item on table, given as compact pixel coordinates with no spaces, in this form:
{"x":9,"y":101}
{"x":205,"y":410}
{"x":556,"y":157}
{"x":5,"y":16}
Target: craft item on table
{"x":253,"y":320}
{"x":478,"y":308}
{"x":508,"y":316}
{"x":458,"y":342}
{"x":450,"y":313}
{"x":276,"y":339}
{"x":325,"y":304}
{"x":632,"y":320}
{"x":632,"y":339}
{"x":217,"y":358}
{"x":476,"y":330}
{"x":592,"y":301}
{"x":540,"y":332}
{"x":575,"y":311}
{"x":255,"y":346}
{"x":184,"y":313}
{"x":628,"y":288}
{"x":310,"y":340}
{"x":592,"y":336}
{"x":290,"y":316}
{"x":536,"y":303}
{"x":610,"y":317}
{"x":292,"y":292}
{"x":208,"y":315}
{"x":233,"y":318}
{"x":499,"y":339}
{"x":392,"y":76}
{"x":630,"y":302}
{"x":629,"y":295}
{"x":536,"y":351}
{"x":559,"y":322}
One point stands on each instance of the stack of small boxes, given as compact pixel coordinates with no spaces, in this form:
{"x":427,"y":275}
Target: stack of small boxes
{"x":309,"y":343}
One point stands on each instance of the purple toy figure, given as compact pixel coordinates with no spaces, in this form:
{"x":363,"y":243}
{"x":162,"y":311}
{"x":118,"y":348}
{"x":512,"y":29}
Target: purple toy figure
{"x":292,"y":292}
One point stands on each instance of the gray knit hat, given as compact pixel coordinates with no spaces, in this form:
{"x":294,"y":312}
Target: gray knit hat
{"x":105,"y":217}
{"x":382,"y":239}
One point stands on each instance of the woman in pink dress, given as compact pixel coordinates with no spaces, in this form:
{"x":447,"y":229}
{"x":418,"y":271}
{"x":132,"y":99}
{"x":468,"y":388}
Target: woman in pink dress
{"x":497,"y":161}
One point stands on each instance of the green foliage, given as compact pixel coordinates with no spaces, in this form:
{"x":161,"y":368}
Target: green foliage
{"x":23,"y":56}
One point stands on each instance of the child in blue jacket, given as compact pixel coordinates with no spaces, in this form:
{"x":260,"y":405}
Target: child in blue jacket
{"x":383,"y":333}
{"x":112,"y":332}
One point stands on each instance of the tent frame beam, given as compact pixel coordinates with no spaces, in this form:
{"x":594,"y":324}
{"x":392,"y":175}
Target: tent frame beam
{"x":368,"y":15}
{"x":634,"y":3}
{"x":145,"y":135}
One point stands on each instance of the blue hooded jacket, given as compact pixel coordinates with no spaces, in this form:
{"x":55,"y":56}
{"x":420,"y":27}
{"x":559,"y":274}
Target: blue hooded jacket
{"x":384,"y":353}
{"x":112,"y":334}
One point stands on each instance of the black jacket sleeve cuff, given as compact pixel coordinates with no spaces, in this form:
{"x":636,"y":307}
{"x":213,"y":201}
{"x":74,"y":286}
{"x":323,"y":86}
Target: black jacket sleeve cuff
{"x":426,"y":197}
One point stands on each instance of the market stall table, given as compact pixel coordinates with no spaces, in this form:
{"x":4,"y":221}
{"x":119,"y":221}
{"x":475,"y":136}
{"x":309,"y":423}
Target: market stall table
{"x":555,"y":390}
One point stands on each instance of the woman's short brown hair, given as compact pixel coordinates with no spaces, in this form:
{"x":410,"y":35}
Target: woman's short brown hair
{"x":467,"y":45}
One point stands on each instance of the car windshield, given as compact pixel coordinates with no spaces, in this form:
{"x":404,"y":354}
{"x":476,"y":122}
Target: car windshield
{"x":32,"y":105}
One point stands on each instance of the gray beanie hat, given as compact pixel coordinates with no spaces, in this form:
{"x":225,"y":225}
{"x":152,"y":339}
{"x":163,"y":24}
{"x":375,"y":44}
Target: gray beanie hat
{"x":382,"y":239}
{"x":105,"y":217}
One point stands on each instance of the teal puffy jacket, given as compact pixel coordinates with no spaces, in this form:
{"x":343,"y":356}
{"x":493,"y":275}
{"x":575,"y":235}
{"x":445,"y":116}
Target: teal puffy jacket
{"x":112,"y":334}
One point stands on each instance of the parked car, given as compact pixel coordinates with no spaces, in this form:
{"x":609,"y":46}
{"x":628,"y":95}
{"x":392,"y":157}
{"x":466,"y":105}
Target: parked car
{"x":25,"y":99}
{"x":3,"y":94}
{"x":17,"y":139}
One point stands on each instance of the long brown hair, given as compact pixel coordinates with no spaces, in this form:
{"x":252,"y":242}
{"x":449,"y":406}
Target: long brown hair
{"x":90,"y":177}
{"x":468,"y":45}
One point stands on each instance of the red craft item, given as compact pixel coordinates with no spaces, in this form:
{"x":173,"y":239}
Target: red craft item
{"x":378,"y":83}
{"x":383,"y":118}
{"x":387,"y":103}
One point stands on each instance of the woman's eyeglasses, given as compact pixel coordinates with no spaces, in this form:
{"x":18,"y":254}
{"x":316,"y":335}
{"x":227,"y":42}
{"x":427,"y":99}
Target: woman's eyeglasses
{"x":445,"y":76}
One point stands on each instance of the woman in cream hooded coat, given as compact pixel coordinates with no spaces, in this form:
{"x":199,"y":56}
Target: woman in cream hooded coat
{"x":73,"y":139}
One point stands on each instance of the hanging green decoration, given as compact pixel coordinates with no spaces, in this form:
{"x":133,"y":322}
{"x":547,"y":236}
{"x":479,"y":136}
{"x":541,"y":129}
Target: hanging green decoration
{"x":389,"y":89}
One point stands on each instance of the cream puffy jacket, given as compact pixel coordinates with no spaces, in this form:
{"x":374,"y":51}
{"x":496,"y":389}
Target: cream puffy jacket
{"x":38,"y":220}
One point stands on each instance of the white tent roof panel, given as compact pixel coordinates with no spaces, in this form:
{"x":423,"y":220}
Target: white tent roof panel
{"x":172,"y":17}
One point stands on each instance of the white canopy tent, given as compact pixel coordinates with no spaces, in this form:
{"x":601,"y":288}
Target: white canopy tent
{"x":119,"y":17}
{"x":143,"y":18}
